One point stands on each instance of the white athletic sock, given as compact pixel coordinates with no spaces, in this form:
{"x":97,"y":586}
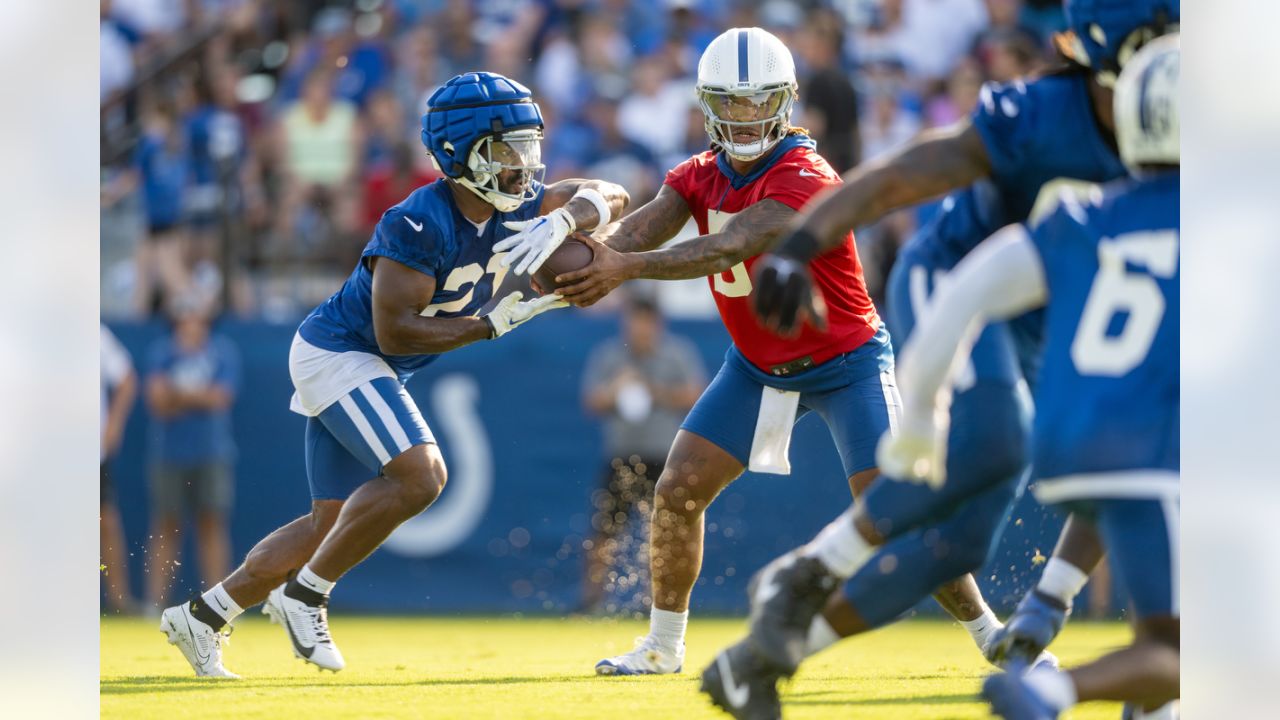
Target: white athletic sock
{"x":667,"y":628}
{"x":821,"y":636}
{"x":1053,"y":686}
{"x":310,"y":580}
{"x":840,"y":547}
{"x":1062,"y":580}
{"x":981,"y":627}
{"x":220,"y":602}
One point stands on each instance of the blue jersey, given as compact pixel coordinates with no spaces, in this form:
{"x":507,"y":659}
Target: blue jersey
{"x":1109,"y":394}
{"x":194,"y":436}
{"x":1034,"y":132}
{"x":426,"y":232}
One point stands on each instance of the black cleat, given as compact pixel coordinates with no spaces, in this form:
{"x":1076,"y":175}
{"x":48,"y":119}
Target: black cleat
{"x":743,"y":684}
{"x":785,"y":597}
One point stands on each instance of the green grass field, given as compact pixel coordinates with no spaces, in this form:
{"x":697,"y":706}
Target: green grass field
{"x":542,"y":668}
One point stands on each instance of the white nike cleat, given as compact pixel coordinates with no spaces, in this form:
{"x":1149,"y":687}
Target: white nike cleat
{"x":307,"y":627}
{"x":1045,"y":660}
{"x":649,"y":658}
{"x":200,"y":644}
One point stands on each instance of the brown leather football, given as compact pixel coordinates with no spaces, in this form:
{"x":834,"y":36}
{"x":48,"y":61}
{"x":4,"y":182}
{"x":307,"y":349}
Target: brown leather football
{"x":571,"y":255}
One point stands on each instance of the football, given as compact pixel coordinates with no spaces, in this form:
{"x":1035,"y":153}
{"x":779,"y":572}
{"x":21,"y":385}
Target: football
{"x":572,"y":255}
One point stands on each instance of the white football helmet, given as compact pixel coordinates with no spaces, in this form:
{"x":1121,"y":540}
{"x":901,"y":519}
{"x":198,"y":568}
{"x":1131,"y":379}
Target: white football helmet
{"x":1146,"y":105}
{"x":746,"y":87}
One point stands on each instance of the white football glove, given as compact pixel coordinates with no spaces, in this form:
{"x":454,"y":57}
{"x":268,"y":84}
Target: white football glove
{"x":510,"y":312}
{"x":536,"y":240}
{"x":918,"y":453}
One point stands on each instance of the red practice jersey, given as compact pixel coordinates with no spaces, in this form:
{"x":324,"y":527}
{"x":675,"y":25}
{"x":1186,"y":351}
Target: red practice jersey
{"x":793,"y":179}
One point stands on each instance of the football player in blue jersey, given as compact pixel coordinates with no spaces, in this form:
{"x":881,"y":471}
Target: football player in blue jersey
{"x":1105,"y":442}
{"x":1021,"y":136}
{"x":429,"y":281}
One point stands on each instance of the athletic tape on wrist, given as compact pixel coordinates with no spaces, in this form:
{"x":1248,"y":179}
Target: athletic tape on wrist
{"x":594,"y":197}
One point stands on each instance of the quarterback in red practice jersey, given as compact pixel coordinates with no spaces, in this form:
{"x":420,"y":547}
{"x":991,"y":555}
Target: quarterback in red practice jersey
{"x":742,"y":193}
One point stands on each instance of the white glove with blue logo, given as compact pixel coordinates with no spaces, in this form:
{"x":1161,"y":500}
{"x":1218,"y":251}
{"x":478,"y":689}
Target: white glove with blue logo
{"x":917,"y":453}
{"x":536,"y":240}
{"x":510,"y":312}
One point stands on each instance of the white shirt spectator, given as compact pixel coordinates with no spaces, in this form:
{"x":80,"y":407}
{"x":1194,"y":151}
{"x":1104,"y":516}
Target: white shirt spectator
{"x":152,"y":17}
{"x":938,"y":32}
{"x":885,"y":126}
{"x":655,"y":121}
{"x":116,"y":366}
{"x":930,"y":38}
{"x":559,"y":74}
{"x":654,"y":112}
{"x":115,"y":60}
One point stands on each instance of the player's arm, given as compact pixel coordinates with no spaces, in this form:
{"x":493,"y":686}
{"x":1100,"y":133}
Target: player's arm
{"x":1000,"y":279}
{"x":162,"y":398}
{"x":747,"y":234}
{"x":400,"y":294}
{"x":567,"y":206}
{"x":651,"y":225}
{"x":936,"y":163}
{"x":568,"y":194}
{"x":216,"y":396}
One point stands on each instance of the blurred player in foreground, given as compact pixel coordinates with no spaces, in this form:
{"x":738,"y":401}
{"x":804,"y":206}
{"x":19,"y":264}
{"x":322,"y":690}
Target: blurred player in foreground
{"x":902,"y":540}
{"x":423,"y":286}
{"x":1106,"y":429}
{"x":742,"y":194}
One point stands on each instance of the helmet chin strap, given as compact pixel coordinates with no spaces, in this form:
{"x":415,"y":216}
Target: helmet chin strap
{"x":501,"y":203}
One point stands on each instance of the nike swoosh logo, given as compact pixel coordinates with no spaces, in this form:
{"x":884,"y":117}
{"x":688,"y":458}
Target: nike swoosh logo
{"x":195,"y":647}
{"x":736,"y":694}
{"x":220,"y":603}
{"x":804,"y":172}
{"x":414,"y":225}
{"x":305,"y":650}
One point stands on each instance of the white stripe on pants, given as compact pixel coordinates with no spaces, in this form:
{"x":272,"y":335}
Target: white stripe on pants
{"x":366,"y":430}
{"x":388,"y":418}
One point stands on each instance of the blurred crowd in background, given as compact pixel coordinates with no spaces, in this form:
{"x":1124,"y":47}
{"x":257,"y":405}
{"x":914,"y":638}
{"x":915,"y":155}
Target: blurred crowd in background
{"x":250,"y":146}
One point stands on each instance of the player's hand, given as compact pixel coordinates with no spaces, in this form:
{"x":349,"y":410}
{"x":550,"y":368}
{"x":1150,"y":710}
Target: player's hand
{"x":785,"y":295}
{"x":607,"y":270}
{"x":535,"y":241}
{"x":917,"y":453}
{"x":511,"y":312}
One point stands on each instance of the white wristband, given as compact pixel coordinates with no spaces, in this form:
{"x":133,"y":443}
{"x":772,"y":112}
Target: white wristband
{"x":594,"y":197}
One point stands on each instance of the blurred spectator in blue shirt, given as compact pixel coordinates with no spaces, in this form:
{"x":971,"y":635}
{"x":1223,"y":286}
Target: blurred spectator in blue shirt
{"x":360,"y":64}
{"x":162,"y":163}
{"x":191,"y":382}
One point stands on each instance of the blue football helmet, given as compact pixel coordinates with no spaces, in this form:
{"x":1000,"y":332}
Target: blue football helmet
{"x":1104,"y":34}
{"x":478,"y":127}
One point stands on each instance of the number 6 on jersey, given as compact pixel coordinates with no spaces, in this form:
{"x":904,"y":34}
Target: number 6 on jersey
{"x":1117,"y":290}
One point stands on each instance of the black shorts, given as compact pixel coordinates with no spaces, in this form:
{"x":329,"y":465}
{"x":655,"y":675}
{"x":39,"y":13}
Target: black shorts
{"x":625,"y":483}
